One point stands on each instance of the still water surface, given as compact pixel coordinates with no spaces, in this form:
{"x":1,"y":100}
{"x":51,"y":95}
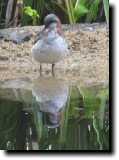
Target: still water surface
{"x":52,"y":115}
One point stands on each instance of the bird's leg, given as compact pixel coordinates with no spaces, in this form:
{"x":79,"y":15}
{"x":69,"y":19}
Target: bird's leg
{"x":53,"y":74}
{"x":40,"y":69}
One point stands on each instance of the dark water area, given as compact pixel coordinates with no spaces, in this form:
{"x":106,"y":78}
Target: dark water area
{"x":52,"y":115}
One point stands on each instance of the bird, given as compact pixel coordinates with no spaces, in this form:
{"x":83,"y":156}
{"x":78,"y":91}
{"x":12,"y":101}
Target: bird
{"x":50,"y":46}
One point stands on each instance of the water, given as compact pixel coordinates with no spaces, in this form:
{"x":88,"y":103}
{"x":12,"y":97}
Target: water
{"x":52,"y":115}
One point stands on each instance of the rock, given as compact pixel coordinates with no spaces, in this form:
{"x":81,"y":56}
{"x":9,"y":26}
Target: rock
{"x":16,"y":35}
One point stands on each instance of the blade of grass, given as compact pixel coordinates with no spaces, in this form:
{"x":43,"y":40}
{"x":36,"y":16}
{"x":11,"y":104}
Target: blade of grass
{"x":49,"y":8}
{"x":68,"y":11}
{"x":92,"y":11}
{"x":106,"y":9}
{"x":80,"y":2}
{"x":72,"y":10}
{"x":60,"y":6}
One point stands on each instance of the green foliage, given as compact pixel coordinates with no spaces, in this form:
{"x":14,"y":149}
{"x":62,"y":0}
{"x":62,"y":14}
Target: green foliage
{"x":39,"y":6}
{"x":86,"y":8}
{"x":32,"y":13}
{"x":69,"y":11}
{"x":93,"y":11}
{"x":80,"y":10}
{"x":75,"y":9}
{"x":25,"y":18}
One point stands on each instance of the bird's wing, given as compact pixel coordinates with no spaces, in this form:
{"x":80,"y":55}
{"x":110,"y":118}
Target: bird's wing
{"x":38,"y":36}
{"x":41,"y":35}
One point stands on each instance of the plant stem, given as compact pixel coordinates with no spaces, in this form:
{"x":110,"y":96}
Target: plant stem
{"x":1,"y":9}
{"x":69,"y":8}
{"x":72,"y":10}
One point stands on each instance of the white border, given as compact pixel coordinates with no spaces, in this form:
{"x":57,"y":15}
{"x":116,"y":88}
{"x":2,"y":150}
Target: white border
{"x":3,"y":156}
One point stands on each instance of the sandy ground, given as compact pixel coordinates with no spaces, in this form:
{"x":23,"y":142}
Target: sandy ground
{"x":87,"y":61}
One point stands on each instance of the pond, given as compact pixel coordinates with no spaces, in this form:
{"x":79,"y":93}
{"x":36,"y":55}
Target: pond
{"x":51,"y":114}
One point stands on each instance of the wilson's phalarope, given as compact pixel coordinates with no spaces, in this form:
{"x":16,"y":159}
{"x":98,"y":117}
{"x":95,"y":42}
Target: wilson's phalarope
{"x":50,"y":46}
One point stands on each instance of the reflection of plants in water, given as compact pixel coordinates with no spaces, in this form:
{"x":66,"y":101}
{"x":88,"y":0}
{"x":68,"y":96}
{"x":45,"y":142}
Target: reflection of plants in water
{"x":74,"y":103}
{"x":89,"y":100}
{"x":9,"y":113}
{"x":38,"y":123}
{"x":64,"y":121}
{"x":84,"y":124}
{"x":103,"y":96}
{"x":91,"y":105}
{"x":69,"y":132}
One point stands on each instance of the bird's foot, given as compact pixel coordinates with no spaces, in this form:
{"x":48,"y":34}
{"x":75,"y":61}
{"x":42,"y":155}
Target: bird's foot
{"x":53,"y":73}
{"x":40,"y":71}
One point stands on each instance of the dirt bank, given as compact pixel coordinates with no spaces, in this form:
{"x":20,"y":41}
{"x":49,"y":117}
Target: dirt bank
{"x":87,"y":61}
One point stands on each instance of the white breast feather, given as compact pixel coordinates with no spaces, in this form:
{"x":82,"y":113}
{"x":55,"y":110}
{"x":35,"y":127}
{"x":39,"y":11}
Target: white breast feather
{"x":50,"y":50}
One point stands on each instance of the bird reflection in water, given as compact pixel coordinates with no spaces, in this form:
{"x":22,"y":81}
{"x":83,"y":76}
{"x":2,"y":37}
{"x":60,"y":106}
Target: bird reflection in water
{"x":51,"y":94}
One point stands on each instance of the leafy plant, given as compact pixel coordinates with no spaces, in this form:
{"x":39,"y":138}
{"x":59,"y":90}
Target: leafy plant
{"x":69,"y":11}
{"x":32,"y":13}
{"x":79,"y":11}
{"x":93,"y":11}
{"x":85,"y":8}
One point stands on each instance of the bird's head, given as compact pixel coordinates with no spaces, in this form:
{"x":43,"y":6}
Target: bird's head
{"x":52,"y":19}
